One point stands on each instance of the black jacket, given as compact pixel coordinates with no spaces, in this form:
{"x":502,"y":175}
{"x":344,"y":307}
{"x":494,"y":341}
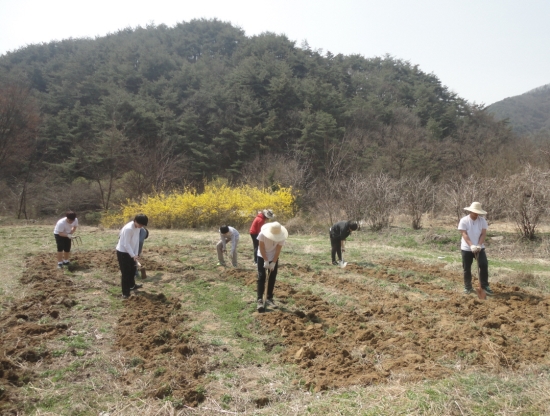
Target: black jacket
{"x":340,"y":230}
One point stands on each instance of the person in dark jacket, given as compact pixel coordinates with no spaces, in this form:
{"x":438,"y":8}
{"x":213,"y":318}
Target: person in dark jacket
{"x":338,"y":234}
{"x":256,"y":227}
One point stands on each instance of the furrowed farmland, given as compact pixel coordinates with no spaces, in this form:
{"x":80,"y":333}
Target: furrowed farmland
{"x":391,"y":333}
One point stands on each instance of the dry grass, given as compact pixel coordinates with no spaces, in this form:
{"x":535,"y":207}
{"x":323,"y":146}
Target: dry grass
{"x":89,"y":375}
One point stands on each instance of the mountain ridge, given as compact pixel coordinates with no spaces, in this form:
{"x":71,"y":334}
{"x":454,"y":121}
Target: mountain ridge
{"x":527,"y":113}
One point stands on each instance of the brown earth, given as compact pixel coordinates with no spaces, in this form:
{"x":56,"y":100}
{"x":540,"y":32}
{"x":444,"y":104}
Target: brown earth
{"x":413,"y":335}
{"x":400,"y":320}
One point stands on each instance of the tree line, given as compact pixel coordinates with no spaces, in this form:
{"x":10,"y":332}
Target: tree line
{"x":158,"y":108}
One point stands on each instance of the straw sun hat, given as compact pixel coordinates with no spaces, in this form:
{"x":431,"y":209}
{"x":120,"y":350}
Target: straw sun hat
{"x":475,"y":207}
{"x":274,"y":231}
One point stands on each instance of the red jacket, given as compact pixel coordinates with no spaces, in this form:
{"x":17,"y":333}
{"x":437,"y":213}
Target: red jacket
{"x":256,"y":226}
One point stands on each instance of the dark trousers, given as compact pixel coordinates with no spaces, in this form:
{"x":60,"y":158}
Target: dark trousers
{"x":256,"y":244}
{"x":467,"y":260}
{"x":63,"y":243}
{"x":336,"y":245}
{"x":262,"y":274}
{"x":128,"y":270}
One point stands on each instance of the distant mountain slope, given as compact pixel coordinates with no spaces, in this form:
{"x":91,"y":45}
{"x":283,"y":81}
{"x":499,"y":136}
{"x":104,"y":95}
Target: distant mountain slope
{"x":527,"y":113}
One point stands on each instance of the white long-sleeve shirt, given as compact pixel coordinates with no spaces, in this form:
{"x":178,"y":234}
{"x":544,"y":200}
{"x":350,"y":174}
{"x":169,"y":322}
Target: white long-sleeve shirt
{"x":128,"y":241}
{"x":233,"y":236}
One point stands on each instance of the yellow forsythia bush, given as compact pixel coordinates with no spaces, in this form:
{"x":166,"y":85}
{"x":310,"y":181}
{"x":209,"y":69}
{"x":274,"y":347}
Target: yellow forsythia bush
{"x":219,"y":204}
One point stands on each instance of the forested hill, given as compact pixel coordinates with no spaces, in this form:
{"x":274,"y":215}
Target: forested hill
{"x":527,"y":113}
{"x":157,"y":107}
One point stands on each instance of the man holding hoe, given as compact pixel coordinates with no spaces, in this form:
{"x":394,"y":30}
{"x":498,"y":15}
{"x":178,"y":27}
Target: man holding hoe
{"x":227,"y":234}
{"x":473,"y":228}
{"x":64,"y":234}
{"x":127,"y":252}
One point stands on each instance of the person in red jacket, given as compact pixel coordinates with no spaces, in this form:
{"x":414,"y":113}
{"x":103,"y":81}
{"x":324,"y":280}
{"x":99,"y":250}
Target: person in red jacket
{"x":255,"y":229}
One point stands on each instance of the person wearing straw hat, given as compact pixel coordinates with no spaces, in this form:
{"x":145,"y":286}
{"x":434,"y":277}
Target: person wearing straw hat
{"x":473,"y":228}
{"x":271,"y":240}
{"x":256,"y":226}
{"x":227,"y":234}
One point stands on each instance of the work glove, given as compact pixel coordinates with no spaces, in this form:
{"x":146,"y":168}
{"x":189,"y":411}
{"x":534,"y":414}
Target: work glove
{"x":475,"y":248}
{"x":70,"y":236}
{"x":266,"y":264}
{"x":272,"y":266}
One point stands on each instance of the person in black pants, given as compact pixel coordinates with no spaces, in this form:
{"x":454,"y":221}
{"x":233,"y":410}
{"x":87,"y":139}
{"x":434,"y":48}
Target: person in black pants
{"x":338,"y":233}
{"x":473,"y":228}
{"x":256,"y":227}
{"x":127,"y":251}
{"x":272,"y":238}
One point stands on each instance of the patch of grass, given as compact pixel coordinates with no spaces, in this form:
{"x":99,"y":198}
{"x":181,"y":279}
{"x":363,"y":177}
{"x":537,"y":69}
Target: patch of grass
{"x":218,"y":308}
{"x":77,"y":342}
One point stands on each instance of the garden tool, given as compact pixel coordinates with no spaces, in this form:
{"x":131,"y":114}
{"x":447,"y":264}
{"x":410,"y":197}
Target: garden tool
{"x":77,"y":240}
{"x":142,"y":270}
{"x":342,"y":262}
{"x":267,"y":275}
{"x":481,"y":294}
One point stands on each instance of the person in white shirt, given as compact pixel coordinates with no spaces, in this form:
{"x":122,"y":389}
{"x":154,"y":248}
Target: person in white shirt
{"x":272,"y":239}
{"x":63,"y":233}
{"x":473,"y":228}
{"x":127,"y":252}
{"x":227,"y":234}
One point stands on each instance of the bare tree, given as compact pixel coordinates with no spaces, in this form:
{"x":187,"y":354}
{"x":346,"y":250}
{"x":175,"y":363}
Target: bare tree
{"x":285,"y":170}
{"x":417,"y":198}
{"x":154,"y":169}
{"x":528,"y":198}
{"x":459,"y":193}
{"x":381,"y":197}
{"x":19,"y":119}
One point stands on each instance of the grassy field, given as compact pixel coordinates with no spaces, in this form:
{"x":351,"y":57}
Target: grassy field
{"x":390,"y":334}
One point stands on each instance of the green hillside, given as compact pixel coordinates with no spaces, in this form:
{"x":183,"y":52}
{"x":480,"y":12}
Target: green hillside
{"x":160,"y":107}
{"x":527,"y":113}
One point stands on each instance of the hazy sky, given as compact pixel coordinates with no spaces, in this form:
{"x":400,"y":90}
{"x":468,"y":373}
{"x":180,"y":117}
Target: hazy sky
{"x":484,"y":50}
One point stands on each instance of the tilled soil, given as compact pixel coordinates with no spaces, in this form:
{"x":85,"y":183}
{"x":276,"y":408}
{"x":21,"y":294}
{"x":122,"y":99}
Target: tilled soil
{"x":151,"y":331}
{"x":413,"y":335}
{"x":400,"y":320}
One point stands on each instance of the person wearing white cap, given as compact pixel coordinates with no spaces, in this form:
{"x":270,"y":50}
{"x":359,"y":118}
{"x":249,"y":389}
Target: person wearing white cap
{"x":473,"y":228}
{"x":272,"y":238}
